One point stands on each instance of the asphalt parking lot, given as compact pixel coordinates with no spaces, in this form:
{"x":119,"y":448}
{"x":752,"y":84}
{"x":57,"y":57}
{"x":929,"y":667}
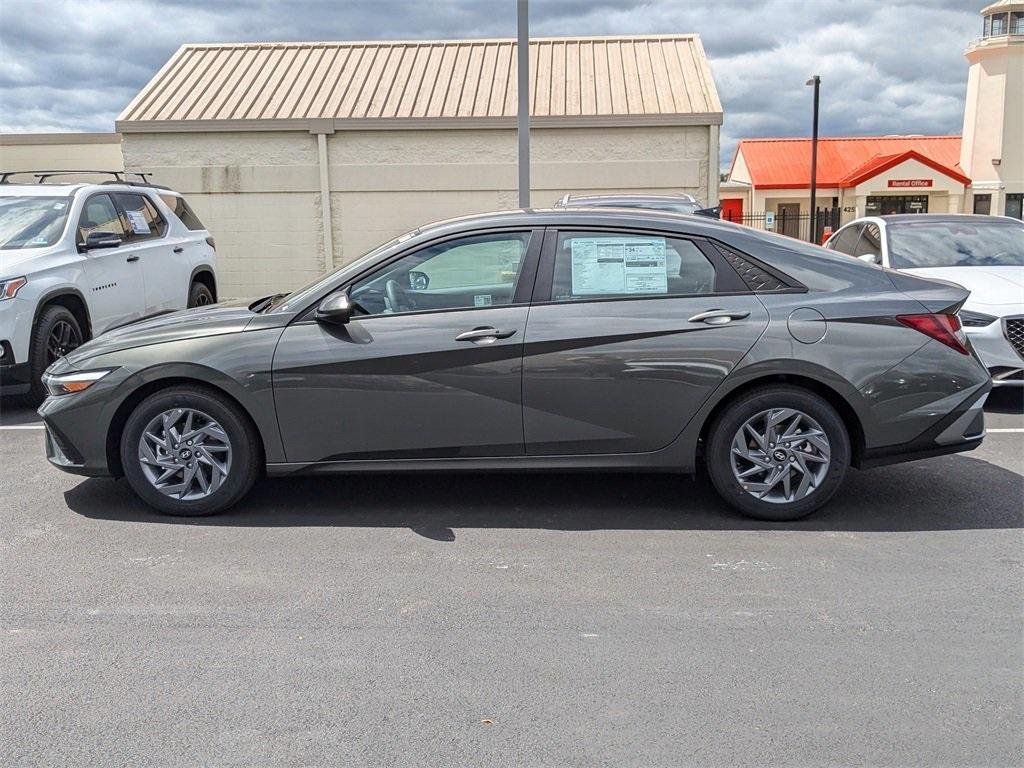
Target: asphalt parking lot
{"x":516,"y":620}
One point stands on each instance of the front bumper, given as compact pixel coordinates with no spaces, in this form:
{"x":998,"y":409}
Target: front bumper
{"x":992,"y":343}
{"x":14,"y":377}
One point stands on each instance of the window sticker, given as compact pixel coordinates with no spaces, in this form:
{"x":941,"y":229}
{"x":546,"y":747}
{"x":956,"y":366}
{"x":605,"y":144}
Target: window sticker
{"x":483,"y":300}
{"x":618,"y":265}
{"x":138,"y":221}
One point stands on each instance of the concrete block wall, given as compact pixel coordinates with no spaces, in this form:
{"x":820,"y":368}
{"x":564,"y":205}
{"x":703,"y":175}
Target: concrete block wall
{"x":259,"y":192}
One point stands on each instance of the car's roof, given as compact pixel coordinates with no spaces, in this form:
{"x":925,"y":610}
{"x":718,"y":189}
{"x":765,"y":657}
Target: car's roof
{"x":976,"y":218}
{"x":681,"y":197}
{"x":39,"y":190}
{"x":559,"y":217}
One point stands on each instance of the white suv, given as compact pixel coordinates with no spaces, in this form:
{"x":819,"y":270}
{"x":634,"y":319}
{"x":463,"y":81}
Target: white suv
{"x":79,"y":259}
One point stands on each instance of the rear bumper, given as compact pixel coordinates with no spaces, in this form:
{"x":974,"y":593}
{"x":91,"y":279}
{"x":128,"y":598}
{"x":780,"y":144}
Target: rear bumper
{"x":961,"y":430}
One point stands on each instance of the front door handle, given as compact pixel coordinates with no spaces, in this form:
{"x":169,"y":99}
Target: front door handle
{"x":485,"y":335}
{"x":133,"y":257}
{"x":179,"y":249}
{"x":718,"y":317}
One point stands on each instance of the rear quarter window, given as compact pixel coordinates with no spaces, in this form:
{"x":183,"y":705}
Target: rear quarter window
{"x":183,"y":211}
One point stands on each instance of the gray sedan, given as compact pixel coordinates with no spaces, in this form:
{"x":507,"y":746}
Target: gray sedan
{"x":537,"y":340}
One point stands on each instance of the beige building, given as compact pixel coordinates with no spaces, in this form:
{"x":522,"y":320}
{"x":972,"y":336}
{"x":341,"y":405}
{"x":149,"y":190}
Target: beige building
{"x":60,"y":151}
{"x":303,"y":156}
{"x":993,"y":140}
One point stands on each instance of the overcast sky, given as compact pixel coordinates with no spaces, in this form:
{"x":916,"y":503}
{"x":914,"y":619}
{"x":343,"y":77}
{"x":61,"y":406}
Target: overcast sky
{"x":886,"y":66}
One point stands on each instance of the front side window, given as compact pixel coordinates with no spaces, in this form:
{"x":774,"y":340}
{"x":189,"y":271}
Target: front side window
{"x":99,"y":215}
{"x":31,"y":222}
{"x":471,"y":272}
{"x":870,"y":241}
{"x":846,"y":240}
{"x":592,"y":265}
{"x":989,"y":243}
{"x":141,"y":219}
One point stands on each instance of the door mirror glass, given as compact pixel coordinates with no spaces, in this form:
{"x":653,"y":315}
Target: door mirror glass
{"x":101,"y":240}
{"x":870,"y":258}
{"x":336,"y":309}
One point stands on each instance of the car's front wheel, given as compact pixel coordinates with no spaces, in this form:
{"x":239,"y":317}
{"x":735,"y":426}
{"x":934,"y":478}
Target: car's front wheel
{"x":55,"y":333}
{"x":188,"y":450}
{"x":778,"y":452}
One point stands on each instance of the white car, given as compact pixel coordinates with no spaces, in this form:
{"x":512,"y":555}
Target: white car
{"x":79,"y":259}
{"x":984,"y":254}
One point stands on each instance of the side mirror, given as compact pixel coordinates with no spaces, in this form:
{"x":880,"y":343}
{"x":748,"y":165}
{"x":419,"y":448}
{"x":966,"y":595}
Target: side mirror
{"x":336,"y":309}
{"x":96,"y":240}
{"x":870,"y":258}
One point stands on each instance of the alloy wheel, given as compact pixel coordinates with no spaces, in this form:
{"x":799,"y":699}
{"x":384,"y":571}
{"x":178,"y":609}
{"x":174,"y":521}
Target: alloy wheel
{"x":185,"y":454}
{"x":780,"y":455}
{"x":63,"y":338}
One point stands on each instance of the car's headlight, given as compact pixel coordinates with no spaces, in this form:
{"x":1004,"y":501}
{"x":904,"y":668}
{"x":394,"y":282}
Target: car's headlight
{"x":74,"y":381}
{"x":9,"y":288}
{"x":975,"y":319}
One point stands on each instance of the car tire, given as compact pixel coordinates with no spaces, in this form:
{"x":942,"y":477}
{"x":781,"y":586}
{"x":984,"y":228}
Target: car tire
{"x":54,"y":319}
{"x":764,"y":444}
{"x":227,"y":475}
{"x":199,"y":295}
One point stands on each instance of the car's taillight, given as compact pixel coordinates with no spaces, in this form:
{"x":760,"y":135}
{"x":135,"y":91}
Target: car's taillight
{"x":942,"y":328}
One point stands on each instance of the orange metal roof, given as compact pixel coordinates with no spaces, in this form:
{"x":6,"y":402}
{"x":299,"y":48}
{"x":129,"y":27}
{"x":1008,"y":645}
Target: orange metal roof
{"x":786,"y":163}
{"x":649,"y":76}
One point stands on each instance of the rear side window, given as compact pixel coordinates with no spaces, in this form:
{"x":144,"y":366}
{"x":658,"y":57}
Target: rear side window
{"x":183,"y":211}
{"x":592,"y":265}
{"x":142,"y":221}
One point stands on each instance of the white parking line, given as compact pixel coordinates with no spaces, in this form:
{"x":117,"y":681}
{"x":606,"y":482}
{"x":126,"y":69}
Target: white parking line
{"x":24,"y":426}
{"x":990,"y":431}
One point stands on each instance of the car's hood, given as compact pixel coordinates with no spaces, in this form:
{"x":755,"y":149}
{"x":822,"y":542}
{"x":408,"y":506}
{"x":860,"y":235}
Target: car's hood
{"x":189,"y":323}
{"x":989,"y":286}
{"x":14,"y":262}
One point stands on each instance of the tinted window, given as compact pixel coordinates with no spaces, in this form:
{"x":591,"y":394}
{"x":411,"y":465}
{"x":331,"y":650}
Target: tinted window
{"x":870,"y":241}
{"x":141,"y":219}
{"x":99,"y":215}
{"x":596,"y":264}
{"x":183,"y":211}
{"x":846,"y":240}
{"x":478,"y":271}
{"x":986,"y":243}
{"x":31,"y":222}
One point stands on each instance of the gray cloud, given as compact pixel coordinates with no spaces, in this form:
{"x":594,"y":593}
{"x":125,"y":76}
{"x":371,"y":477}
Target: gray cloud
{"x":892,"y":67}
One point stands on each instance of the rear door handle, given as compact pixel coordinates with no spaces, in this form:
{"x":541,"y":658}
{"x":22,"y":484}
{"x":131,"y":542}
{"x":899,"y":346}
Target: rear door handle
{"x":486,"y":335}
{"x":133,"y":257}
{"x":718,"y":317}
{"x":179,"y":249}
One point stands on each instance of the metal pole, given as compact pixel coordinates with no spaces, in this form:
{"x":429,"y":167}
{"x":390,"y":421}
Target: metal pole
{"x":523,"y":122}
{"x":816,"y":82}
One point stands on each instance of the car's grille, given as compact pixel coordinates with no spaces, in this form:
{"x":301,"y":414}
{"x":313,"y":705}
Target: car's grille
{"x":1013,"y":327}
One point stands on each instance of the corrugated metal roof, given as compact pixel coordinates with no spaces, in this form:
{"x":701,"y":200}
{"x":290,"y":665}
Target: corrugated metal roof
{"x":786,"y":163}
{"x":661,"y":78}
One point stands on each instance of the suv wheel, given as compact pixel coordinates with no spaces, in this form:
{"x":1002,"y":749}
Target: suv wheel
{"x":778,"y":453}
{"x":56,"y":333}
{"x":189,"y":451}
{"x":199,"y":295}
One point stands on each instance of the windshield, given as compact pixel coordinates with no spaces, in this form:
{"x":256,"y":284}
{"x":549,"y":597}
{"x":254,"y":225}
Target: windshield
{"x":985,"y":243}
{"x":294,"y":301}
{"x":31,"y":222}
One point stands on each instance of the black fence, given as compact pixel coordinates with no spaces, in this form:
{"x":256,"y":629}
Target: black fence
{"x":791,"y":224}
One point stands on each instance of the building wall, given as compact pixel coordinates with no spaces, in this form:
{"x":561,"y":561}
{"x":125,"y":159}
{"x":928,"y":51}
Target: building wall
{"x":259,"y":192}
{"x":53,"y":151}
{"x":994,"y":119}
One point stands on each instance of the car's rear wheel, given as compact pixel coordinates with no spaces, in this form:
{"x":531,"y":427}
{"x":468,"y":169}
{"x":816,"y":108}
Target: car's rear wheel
{"x":199,"y":295}
{"x":56,"y":333}
{"x":188,"y":450}
{"x":778,"y":452}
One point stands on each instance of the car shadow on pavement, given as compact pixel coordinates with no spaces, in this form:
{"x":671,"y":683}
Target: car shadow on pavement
{"x":949,"y":493}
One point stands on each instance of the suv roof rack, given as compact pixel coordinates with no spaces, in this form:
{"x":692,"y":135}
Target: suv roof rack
{"x":42,"y":175}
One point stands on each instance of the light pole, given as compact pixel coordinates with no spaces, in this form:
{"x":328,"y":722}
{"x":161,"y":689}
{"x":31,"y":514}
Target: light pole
{"x":523,"y":117}
{"x":813,"y":237}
